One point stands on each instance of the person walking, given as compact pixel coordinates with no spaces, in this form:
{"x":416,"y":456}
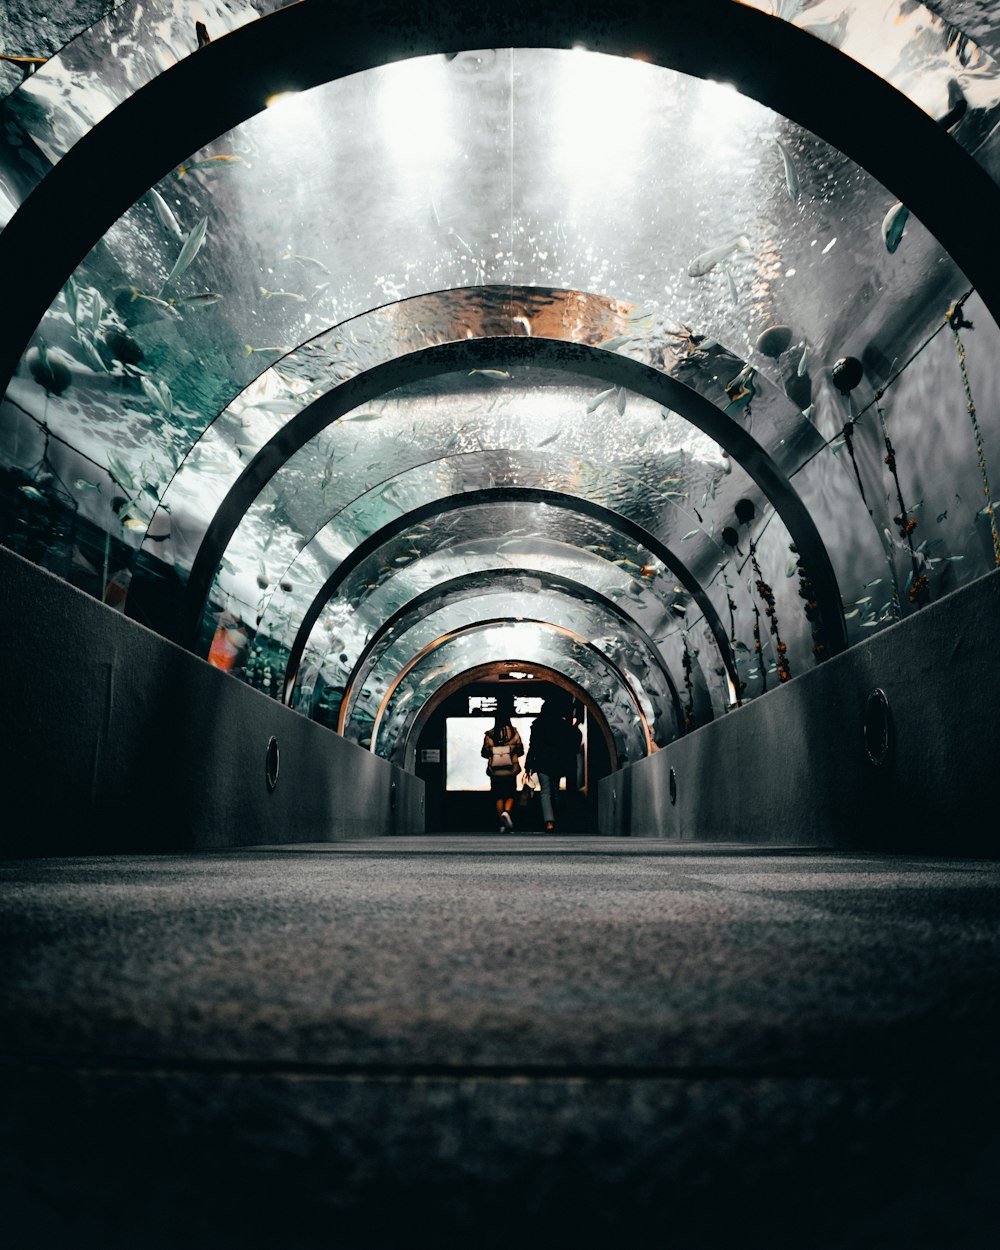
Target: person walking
{"x":502,"y":750}
{"x":553,"y":746}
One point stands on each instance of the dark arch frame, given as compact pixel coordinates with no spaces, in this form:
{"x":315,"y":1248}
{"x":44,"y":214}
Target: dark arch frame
{"x":313,"y":42}
{"x":509,"y":352}
{"x":500,"y":495}
{"x":489,"y":624}
{"x":471,"y":582}
{"x":488,"y":672}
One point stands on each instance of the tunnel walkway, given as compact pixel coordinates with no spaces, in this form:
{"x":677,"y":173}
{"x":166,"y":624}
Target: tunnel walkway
{"x":462,"y":1041}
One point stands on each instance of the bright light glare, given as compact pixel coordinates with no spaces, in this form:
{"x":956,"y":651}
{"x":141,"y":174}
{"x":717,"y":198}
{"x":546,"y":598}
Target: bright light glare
{"x":721,"y":116}
{"x":279,"y":98}
{"x":598,"y":122}
{"x":412,"y":107}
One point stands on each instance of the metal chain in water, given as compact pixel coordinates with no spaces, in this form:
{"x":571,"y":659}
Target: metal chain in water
{"x":848,"y":435}
{"x":771,"y":612}
{"x":919,"y":591}
{"x":957,"y":322}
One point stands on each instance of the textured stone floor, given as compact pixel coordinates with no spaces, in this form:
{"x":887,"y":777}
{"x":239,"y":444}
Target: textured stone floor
{"x":468,"y":1041}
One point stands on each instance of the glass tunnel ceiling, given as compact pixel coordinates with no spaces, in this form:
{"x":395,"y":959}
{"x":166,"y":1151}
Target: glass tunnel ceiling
{"x":463,"y":545}
{"x":524,"y":643}
{"x":476,"y":434}
{"x":461,"y":601}
{"x":600,"y":655}
{"x":578,"y":172}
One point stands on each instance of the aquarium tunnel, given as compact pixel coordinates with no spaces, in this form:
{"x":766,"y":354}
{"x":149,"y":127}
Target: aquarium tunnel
{"x":361,"y":363}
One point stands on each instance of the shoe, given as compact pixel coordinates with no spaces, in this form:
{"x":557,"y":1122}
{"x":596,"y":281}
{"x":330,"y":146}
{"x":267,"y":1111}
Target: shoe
{"x":506,"y":824}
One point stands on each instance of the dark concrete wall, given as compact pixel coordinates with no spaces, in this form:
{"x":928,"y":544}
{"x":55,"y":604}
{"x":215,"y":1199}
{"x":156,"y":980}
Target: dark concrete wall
{"x":115,"y":740}
{"x":791,"y":768}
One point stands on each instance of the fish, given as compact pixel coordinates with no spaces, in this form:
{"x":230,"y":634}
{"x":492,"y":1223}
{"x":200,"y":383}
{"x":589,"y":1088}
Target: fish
{"x":292,"y":295}
{"x":133,"y":523}
{"x":498,"y":375}
{"x":803,"y":368}
{"x":162,"y":305}
{"x":32,"y":492}
{"x":306,"y":261}
{"x":706,"y":262}
{"x":159,"y":395}
{"x":791,"y":177}
{"x":81,"y":483}
{"x":96,"y":310}
{"x":192,"y":246}
{"x":275,"y":405}
{"x":210,"y":162}
{"x":438,"y":672}
{"x":689,"y":534}
{"x":551,"y":439}
{"x":164,"y":214}
{"x":596,"y":402}
{"x":620,"y":400}
{"x":200,"y":300}
{"x":893,"y":224}
{"x":942,"y":516}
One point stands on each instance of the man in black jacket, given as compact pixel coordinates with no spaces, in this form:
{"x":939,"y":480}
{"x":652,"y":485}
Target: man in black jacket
{"x":552,"y":753}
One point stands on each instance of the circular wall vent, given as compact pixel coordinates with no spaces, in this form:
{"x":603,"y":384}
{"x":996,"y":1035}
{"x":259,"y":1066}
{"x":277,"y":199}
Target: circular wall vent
{"x":271,"y":763}
{"x":877,"y":727}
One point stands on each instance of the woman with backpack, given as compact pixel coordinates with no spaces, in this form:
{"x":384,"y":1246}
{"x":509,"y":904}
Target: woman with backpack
{"x":502,"y":750}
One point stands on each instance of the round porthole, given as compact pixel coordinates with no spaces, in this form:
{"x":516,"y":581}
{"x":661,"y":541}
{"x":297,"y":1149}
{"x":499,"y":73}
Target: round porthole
{"x":877,"y":727}
{"x":673,"y":787}
{"x":271,"y":763}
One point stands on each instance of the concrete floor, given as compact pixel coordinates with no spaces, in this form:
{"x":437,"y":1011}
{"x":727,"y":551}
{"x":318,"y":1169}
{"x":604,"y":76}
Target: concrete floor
{"x":476,"y":1041}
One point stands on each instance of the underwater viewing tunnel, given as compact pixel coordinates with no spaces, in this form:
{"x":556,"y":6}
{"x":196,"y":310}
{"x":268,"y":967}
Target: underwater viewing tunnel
{"x":371,"y":371}
{"x":352,"y":353}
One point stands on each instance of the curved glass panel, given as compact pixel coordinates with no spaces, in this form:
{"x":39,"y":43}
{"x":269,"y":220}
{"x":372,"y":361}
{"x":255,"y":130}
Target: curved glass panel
{"x":79,"y":85}
{"x":397,"y":189}
{"x":465,"y":439}
{"x":527,"y":644}
{"x":495,"y":591}
{"x":361,"y":191}
{"x":645,"y":679}
{"x":391,"y":332}
{"x":909,"y":45}
{"x":463,"y":541}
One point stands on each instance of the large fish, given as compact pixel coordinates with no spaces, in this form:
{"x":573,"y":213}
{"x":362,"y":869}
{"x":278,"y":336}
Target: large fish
{"x":706,"y":262}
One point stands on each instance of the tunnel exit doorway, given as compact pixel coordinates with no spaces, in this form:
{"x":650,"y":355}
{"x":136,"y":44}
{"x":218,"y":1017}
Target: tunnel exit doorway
{"x":448,"y":759}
